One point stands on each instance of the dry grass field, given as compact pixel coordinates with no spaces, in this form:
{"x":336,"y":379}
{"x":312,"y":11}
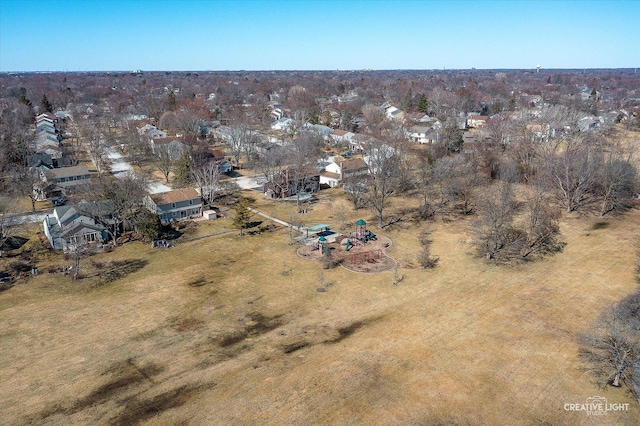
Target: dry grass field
{"x":232,"y":330}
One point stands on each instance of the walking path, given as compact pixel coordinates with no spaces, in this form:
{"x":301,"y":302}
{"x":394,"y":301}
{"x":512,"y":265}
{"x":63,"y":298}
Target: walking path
{"x":300,"y":229}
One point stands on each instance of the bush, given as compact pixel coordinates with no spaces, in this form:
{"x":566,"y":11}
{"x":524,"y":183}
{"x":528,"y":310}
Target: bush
{"x":20,"y":266}
{"x":425,"y":259}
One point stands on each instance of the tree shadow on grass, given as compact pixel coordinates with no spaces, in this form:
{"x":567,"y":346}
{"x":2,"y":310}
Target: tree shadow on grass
{"x":170,"y":233}
{"x":115,"y":270}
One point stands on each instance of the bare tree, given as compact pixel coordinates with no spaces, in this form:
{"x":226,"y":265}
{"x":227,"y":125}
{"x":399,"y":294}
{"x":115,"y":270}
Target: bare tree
{"x":6,"y":208}
{"x":271,"y":165}
{"x":28,"y":183}
{"x":356,"y":188}
{"x":375,"y":118}
{"x":96,"y":146}
{"x":494,"y":235}
{"x":240,"y":139}
{"x":113,"y":202}
{"x":384,"y":171}
{"x":76,"y":250}
{"x":637,"y":265}
{"x":572,"y":169}
{"x":541,"y":224}
{"x":166,"y":156}
{"x":425,"y":182}
{"x":299,"y":119}
{"x":612,"y":346}
{"x":136,"y":148}
{"x":303,"y":155}
{"x":207,"y":179}
{"x":617,"y":180}
{"x":456,"y":179}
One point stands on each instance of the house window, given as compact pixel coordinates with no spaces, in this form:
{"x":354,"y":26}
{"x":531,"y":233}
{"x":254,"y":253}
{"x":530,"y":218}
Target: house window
{"x":173,"y":205}
{"x":190,"y":202}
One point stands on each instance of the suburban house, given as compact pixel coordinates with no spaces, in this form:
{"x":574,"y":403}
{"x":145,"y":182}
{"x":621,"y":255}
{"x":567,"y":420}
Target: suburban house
{"x":40,"y":159}
{"x":477,"y":121}
{"x":60,"y":181}
{"x":588,"y":123}
{"x":219,"y":158}
{"x":150,"y":132}
{"x":173,"y":145}
{"x":341,"y":136}
{"x":393,"y":113}
{"x":319,"y":129}
{"x":47,"y":122}
{"x":292,"y":182}
{"x":47,"y":139}
{"x":276,"y":111}
{"x":282,"y":123}
{"x":337,"y":172}
{"x":179,"y":204}
{"x":358,"y":142}
{"x":68,"y":224}
{"x":423,"y":134}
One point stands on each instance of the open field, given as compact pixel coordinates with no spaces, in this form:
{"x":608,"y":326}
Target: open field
{"x":232,"y":330}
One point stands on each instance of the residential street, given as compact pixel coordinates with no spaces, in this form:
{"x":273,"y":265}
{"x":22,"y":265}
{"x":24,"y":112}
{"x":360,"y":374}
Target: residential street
{"x":20,"y":219}
{"x":119,"y":167}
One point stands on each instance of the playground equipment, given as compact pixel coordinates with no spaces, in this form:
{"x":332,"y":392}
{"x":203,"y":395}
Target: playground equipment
{"x":362,"y":234}
{"x":348,"y":245}
{"x":322,"y":241}
{"x":371,"y":256}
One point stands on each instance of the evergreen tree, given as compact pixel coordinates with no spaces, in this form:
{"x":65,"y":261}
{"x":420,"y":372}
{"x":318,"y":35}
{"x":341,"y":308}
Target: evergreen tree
{"x":423,"y":104}
{"x":23,"y":98}
{"x":45,"y":105}
{"x":171,"y":101}
{"x":147,"y":224}
{"x":242,"y":214}
{"x":407,"y":103}
{"x":183,"y":176}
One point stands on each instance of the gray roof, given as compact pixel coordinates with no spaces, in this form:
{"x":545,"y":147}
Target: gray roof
{"x":420,"y":129}
{"x":63,"y":172}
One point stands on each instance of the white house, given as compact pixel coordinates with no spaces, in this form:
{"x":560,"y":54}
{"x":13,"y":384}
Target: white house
{"x":341,"y":136}
{"x":477,"y":121}
{"x":150,"y":131}
{"x":422,"y":134}
{"x":282,"y":123}
{"x":336,"y":172}
{"x":393,"y":113}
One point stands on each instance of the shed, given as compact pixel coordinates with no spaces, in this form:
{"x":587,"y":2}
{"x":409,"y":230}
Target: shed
{"x":210,"y":214}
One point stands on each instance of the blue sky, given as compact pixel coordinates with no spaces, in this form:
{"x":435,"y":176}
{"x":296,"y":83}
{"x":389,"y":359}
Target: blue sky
{"x":105,"y":35}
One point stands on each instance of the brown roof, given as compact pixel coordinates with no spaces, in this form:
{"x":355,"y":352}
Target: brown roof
{"x":353,"y":164}
{"x":47,"y":115}
{"x":168,"y":139}
{"x":175,"y":196}
{"x":339,"y":132}
{"x":307,"y":171}
{"x":217,"y":153}
{"x":331,"y":175}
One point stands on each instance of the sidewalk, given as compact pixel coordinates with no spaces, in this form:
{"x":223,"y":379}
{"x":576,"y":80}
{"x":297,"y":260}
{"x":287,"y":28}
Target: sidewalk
{"x":300,"y":229}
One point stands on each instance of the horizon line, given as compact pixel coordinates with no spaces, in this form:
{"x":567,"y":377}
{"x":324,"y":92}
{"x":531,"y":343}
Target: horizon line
{"x":535,"y":69}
